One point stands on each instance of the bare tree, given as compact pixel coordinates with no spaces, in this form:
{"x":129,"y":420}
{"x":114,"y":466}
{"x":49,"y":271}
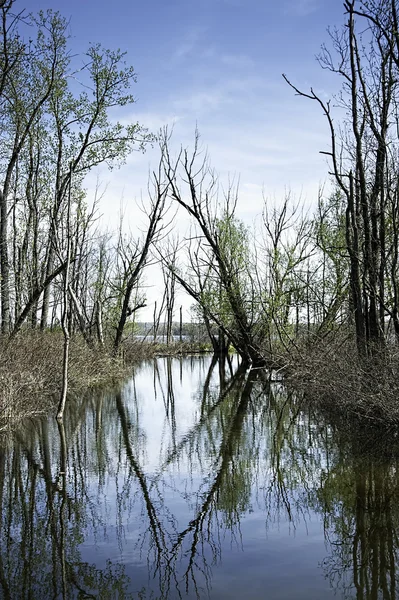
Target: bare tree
{"x":66,"y":315}
{"x":169,"y":252}
{"x":134,"y":256}
{"x":194,"y":187}
{"x":363,"y":161}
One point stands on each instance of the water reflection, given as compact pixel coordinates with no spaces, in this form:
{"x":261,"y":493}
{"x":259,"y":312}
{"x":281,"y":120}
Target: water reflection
{"x":197,"y":479}
{"x":359,"y":505}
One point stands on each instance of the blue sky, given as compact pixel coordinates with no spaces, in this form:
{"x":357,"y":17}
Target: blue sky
{"x":217,"y":64}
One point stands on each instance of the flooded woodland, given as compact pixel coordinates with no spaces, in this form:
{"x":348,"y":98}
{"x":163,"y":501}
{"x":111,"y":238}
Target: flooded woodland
{"x":197,"y":478}
{"x":269,"y":470}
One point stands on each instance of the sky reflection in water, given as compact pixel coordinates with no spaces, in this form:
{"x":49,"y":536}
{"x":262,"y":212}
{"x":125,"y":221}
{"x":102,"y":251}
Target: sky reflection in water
{"x":195,"y":480}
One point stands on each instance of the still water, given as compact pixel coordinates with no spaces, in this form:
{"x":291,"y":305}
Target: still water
{"x":196,"y":480}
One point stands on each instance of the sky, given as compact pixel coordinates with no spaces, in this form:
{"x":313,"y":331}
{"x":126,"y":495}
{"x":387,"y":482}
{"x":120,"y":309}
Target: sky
{"x":217,"y":65}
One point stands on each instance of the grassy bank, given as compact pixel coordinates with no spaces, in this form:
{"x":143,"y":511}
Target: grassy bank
{"x":31,"y":371}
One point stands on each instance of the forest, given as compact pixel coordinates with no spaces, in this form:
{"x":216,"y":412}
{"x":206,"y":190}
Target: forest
{"x":313,"y":295}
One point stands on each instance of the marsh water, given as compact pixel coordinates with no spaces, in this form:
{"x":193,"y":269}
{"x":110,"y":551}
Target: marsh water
{"x":197,"y":479}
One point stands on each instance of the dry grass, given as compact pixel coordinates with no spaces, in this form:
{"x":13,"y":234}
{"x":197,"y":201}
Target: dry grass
{"x":31,"y":368}
{"x":331,"y":374}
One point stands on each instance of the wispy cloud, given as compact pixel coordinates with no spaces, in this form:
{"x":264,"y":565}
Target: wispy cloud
{"x":235,"y":92}
{"x":200,"y":102}
{"x":238,"y":61}
{"x":153,"y":121}
{"x":189,"y":44}
{"x":301,"y":8}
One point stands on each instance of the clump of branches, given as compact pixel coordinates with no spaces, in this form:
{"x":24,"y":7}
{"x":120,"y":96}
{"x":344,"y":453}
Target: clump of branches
{"x":332,"y":375}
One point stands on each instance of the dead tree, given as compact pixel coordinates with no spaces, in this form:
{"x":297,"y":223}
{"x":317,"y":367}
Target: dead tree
{"x":363,"y":164}
{"x":193,"y":186}
{"x":134,"y":257}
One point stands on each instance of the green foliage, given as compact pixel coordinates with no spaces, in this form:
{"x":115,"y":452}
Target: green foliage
{"x":230,"y":273}
{"x":55,"y":126}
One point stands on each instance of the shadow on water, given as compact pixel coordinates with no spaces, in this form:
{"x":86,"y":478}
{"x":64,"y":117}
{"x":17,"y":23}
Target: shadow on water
{"x":198,"y":479}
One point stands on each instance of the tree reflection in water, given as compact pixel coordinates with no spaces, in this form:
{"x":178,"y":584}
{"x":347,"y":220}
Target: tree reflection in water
{"x":359,"y":500}
{"x":137,"y":482}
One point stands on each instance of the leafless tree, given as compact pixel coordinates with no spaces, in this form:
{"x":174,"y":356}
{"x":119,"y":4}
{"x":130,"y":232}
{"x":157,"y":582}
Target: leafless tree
{"x":134,"y":256}
{"x":364,"y":162}
{"x":219,"y":250}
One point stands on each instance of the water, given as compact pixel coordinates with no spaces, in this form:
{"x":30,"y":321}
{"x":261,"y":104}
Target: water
{"x":196,"y":481}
